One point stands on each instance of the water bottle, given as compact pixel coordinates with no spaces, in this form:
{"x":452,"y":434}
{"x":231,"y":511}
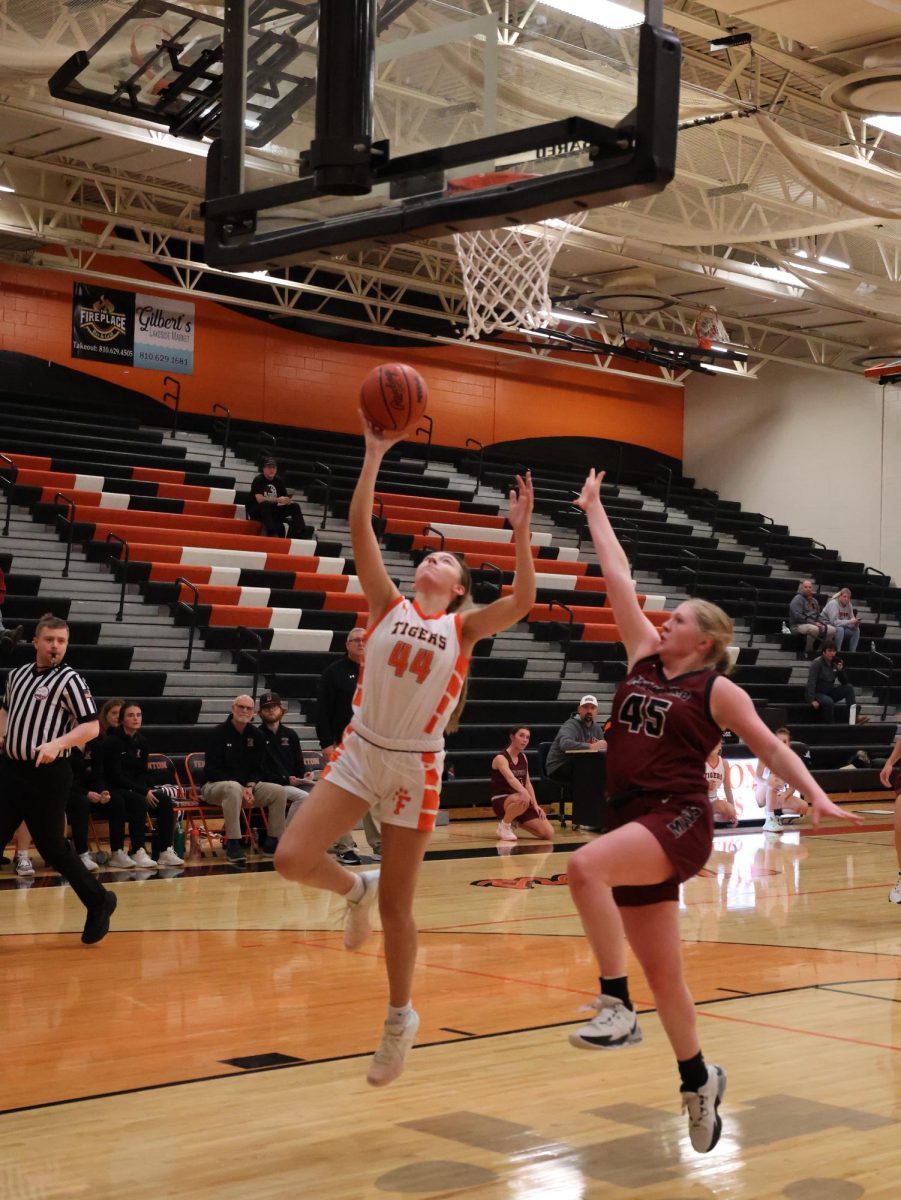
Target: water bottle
{"x":785,"y":628}
{"x":178,"y":839}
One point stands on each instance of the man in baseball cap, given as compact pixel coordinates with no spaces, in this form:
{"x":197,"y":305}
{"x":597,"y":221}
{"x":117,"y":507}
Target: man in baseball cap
{"x":282,"y":754}
{"x":582,"y":731}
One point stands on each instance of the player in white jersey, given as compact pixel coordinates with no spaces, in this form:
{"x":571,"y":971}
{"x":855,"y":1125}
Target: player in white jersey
{"x":390,"y":758}
{"x":717,"y":771}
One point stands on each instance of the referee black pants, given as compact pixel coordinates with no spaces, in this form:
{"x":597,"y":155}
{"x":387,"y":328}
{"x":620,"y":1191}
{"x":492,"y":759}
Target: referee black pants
{"x":38,"y":796}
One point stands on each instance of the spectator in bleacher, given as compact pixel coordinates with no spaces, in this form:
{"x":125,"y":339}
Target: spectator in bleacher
{"x":512,"y":795}
{"x":827,"y":684}
{"x":88,"y":797}
{"x":109,"y":715}
{"x":125,"y":772}
{"x":804,"y":617}
{"x":234,"y":764}
{"x":839,"y":613}
{"x":890,"y":777}
{"x":334,"y":708}
{"x":581,"y":731}
{"x":282,"y":753}
{"x":273,"y":504}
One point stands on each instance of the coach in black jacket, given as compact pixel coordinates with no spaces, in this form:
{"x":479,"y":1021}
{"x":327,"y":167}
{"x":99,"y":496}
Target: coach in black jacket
{"x":125,"y":774}
{"x":233,"y":772}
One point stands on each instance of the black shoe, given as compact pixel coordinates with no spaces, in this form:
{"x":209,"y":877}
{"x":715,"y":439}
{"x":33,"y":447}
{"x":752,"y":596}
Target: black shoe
{"x":268,"y":845}
{"x":349,"y":858}
{"x":234,"y":851}
{"x":96,"y":925}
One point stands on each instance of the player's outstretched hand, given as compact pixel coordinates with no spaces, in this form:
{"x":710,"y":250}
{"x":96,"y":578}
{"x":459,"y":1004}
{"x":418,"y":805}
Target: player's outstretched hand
{"x":591,"y":490}
{"x":380,"y":441}
{"x":522,"y":501}
{"x":824,"y":807}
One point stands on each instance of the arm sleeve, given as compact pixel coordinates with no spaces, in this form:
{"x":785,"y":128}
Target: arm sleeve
{"x":796,"y":611}
{"x":566,"y":739}
{"x":77,"y":698}
{"x":813,"y":676}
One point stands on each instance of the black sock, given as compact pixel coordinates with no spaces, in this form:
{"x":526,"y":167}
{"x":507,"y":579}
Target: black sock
{"x":617,"y":988}
{"x":693,"y":1073}
{"x":777,"y":812}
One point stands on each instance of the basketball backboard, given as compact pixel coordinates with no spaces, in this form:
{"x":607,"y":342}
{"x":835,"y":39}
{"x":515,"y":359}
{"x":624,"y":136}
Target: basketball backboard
{"x":571,"y":114}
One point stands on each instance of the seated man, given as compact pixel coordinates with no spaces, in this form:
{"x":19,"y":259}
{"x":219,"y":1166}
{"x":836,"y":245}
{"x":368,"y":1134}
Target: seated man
{"x":282,"y":754}
{"x":234,"y":764}
{"x":273,"y":504}
{"x":582,"y":731}
{"x":827,"y":684}
{"x":804,"y":617}
{"x":125,"y":772}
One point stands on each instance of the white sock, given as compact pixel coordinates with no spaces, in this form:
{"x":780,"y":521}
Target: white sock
{"x":397,"y":1016}
{"x":357,"y":891}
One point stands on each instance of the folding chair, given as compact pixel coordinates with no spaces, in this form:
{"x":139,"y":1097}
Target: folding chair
{"x":194,"y":809}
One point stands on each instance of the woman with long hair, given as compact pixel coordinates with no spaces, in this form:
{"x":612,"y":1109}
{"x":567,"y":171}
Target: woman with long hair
{"x":512,"y":795}
{"x":667,"y":716}
{"x":390,"y":758}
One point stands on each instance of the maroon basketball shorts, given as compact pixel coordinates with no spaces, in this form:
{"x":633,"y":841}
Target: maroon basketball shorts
{"x":498,"y":802}
{"x":683,"y":825}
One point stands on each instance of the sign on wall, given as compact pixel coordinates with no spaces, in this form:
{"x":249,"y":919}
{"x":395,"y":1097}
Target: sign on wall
{"x":131,"y":329}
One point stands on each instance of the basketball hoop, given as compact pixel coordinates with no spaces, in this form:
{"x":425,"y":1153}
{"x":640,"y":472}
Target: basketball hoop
{"x":506,"y":271}
{"x":708,"y":328}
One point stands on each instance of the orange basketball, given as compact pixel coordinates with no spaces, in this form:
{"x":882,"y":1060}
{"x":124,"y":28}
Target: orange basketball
{"x":393,"y":396}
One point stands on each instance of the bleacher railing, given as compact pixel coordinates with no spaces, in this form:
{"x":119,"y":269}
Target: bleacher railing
{"x":123,"y":558}
{"x":70,"y":518}
{"x":8,"y":483}
{"x":175,"y":397}
{"x":494,"y":570}
{"x":441,"y":539}
{"x":480,"y":461}
{"x":325,"y":486}
{"x":225,"y":426}
{"x":885,"y":584}
{"x":755,"y":605}
{"x":566,"y":640}
{"x":427,"y":430}
{"x":193,"y":610}
{"x":886,"y":675}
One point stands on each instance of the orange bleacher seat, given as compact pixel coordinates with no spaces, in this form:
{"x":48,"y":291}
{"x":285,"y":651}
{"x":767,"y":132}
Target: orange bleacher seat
{"x":413,"y":501}
{"x":138,"y":518}
{"x":398,"y":518}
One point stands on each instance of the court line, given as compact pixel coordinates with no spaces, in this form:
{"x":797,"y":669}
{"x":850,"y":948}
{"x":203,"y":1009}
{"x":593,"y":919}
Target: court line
{"x":642,"y":1011}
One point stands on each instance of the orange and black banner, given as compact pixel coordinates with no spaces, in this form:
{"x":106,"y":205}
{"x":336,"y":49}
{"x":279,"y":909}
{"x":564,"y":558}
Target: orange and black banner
{"x":103,"y":324}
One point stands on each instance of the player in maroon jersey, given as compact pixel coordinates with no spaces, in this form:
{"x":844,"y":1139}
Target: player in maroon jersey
{"x":668,"y":714}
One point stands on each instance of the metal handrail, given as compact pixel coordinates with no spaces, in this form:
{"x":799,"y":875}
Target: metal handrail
{"x":581,"y":527}
{"x":632,"y":537}
{"x":324,"y":486}
{"x":765,"y":546}
{"x":494,"y":568}
{"x":70,"y":517}
{"x":476,"y":442}
{"x":262,"y":437}
{"x":668,"y":472}
{"x":880,"y":598}
{"x":888,"y":678}
{"x":8,"y":485}
{"x":755,"y":606}
{"x":175,"y":397}
{"x":427,"y":430}
{"x":567,"y":642}
{"x":188,"y":584}
{"x":226,"y":426}
{"x":114,"y":537}
{"x":254,"y":658}
{"x":431,"y":529}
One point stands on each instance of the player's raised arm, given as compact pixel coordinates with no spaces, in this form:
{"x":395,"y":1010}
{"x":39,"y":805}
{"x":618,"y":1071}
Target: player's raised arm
{"x":501,"y":614}
{"x":374,"y":579}
{"x":639,"y":635}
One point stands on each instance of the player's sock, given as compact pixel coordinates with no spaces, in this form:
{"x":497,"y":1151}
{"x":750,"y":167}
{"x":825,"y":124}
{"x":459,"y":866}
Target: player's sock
{"x":617,"y":988}
{"x":693,"y":1073}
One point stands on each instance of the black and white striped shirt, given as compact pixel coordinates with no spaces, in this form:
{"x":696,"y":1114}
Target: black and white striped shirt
{"x":42,"y":705}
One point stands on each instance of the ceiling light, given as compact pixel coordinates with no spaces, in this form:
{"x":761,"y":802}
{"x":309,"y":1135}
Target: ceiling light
{"x":533,"y":332}
{"x":4,"y":188}
{"x":598,"y":12}
{"x":833,"y":262}
{"x":567,"y":314}
{"x":723,"y":370}
{"x":809,"y":269}
{"x":883,"y":121}
{"x":800,"y":254}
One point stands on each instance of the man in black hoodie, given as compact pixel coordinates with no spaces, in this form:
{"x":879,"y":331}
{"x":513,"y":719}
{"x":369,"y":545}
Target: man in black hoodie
{"x":234,"y":778}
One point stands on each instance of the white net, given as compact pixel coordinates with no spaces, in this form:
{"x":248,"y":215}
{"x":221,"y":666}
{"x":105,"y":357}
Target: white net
{"x":506,"y":273}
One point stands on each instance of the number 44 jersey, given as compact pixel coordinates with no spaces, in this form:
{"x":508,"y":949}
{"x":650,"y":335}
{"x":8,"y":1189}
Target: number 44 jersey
{"x":660,"y":732}
{"x":411,"y":680}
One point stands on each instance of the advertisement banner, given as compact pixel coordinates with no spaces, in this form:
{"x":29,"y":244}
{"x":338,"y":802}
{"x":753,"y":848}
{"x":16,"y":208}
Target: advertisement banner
{"x":164,"y":334}
{"x":103,"y":321}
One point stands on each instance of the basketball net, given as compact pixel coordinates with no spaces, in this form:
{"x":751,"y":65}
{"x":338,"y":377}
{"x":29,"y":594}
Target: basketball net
{"x":708,"y":328}
{"x":506,"y":273}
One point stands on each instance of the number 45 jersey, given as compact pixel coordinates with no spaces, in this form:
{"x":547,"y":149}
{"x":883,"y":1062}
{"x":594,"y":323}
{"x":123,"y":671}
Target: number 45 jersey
{"x":411,"y":680}
{"x":660,"y":732}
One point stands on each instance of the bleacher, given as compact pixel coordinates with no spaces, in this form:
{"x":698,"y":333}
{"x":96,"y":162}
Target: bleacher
{"x":174,"y":526}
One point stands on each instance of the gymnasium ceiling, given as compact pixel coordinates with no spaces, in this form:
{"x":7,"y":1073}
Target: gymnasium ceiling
{"x":791,"y":167}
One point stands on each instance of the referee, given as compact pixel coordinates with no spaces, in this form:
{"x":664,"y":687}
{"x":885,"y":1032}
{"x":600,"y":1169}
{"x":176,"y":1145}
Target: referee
{"x":46,"y":710}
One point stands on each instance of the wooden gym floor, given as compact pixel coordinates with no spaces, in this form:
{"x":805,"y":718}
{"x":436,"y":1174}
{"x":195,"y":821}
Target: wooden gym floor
{"x":215,"y":1044}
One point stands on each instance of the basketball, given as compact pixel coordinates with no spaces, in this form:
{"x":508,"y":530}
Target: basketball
{"x":393,"y":396}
